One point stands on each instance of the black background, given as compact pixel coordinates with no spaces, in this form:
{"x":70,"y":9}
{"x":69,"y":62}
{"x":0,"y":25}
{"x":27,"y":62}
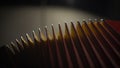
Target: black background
{"x":106,"y":8}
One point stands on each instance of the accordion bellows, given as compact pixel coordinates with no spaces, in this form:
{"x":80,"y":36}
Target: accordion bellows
{"x":94,"y":44}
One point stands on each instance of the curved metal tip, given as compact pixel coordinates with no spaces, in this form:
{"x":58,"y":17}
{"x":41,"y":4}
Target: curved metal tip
{"x":102,"y":20}
{"x":39,"y":29}
{"x":33,"y":31}
{"x":13,"y":44}
{"x":90,"y":19}
{"x":27,"y":35}
{"x":51,"y":24}
{"x":83,"y":20}
{"x":45,"y":27}
{"x":95,"y":20}
{"x":10,"y":47}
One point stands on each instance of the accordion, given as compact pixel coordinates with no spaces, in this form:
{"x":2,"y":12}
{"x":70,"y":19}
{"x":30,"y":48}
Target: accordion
{"x":92,"y":44}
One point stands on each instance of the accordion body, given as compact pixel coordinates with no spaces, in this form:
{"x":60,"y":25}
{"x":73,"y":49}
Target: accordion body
{"x":92,"y":44}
